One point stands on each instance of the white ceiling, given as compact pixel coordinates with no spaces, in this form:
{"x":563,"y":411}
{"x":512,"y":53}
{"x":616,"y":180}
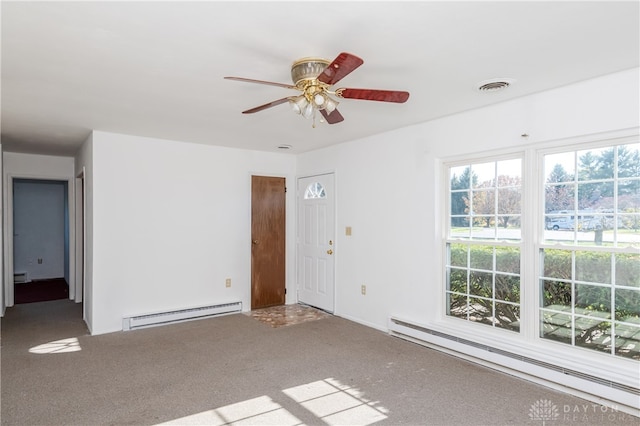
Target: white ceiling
{"x":156,"y":68}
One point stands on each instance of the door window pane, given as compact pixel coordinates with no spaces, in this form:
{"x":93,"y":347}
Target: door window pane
{"x":315,"y":190}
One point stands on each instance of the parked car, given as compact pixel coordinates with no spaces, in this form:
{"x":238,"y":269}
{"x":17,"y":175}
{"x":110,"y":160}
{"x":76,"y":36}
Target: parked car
{"x":560,"y":223}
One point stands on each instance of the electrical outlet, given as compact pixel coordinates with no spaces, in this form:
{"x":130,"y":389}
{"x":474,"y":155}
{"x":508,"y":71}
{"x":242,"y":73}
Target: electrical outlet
{"x":363,"y":289}
{"x":228,"y":282}
{"x":39,"y":261}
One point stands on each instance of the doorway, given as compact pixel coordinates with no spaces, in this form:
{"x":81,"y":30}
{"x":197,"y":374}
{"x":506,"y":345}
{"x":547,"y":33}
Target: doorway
{"x":316,"y":241}
{"x":41,"y":245}
{"x":268,"y":272}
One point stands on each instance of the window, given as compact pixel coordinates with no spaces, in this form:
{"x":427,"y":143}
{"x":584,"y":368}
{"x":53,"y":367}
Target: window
{"x":483,"y":243}
{"x":315,"y":190}
{"x":590,"y":269}
{"x":583,"y":275}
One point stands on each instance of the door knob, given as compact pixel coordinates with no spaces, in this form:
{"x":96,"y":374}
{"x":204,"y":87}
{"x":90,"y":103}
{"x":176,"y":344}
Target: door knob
{"x":329,"y":251}
{"x":254,"y":242}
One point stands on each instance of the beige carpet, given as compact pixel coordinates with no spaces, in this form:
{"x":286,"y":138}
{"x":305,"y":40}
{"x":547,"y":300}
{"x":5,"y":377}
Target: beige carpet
{"x":237,"y":370}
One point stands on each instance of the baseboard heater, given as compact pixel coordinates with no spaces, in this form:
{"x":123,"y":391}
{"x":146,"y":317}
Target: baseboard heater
{"x":428,"y":337}
{"x":168,"y":317}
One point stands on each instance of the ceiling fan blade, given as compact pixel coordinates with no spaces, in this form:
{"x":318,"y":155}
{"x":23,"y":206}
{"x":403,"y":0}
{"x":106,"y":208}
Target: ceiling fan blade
{"x":265,"y":106}
{"x":333,"y":117}
{"x":339,"y":68}
{"x":374,"y":95}
{"x":270,"y":83}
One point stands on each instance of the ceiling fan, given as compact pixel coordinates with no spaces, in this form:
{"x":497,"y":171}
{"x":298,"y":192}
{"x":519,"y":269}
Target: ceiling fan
{"x":314,"y":78}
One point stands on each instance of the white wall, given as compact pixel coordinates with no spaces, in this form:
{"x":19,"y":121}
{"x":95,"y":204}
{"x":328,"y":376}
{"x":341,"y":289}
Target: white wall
{"x":18,"y":165}
{"x":37,"y":166}
{"x":388,"y":189}
{"x":379,"y":185}
{"x":171,"y":221}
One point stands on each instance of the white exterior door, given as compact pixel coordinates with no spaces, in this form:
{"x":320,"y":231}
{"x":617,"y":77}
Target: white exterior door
{"x":316,"y":241}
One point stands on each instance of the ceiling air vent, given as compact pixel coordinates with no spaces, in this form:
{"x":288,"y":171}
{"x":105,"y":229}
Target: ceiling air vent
{"x":494,"y":85}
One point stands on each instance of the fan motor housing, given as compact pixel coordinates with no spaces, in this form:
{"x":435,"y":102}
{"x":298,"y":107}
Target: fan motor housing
{"x":306,"y":69}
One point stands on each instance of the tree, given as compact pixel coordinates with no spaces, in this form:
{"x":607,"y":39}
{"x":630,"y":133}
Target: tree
{"x":458,"y":204}
{"x":593,"y":166}
{"x":628,"y":167}
{"x":558,"y":193}
{"x":590,"y":167}
{"x":509,"y":198}
{"x":484,"y":205}
{"x":559,"y":174}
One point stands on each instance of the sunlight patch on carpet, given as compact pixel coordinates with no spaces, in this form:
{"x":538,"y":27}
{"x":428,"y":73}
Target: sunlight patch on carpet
{"x":57,"y":347}
{"x":328,"y":400}
{"x":337,"y":404}
{"x":257,"y":411}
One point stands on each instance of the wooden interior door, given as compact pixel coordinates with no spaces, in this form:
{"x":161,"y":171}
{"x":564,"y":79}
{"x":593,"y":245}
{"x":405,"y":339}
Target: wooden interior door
{"x":267,"y":241}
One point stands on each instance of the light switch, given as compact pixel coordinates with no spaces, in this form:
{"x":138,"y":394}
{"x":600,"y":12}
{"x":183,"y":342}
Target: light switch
{"x":347,"y":231}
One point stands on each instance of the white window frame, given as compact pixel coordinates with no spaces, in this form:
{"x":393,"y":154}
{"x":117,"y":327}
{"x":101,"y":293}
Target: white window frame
{"x":527,"y":342}
{"x":493,"y":243}
{"x":570,"y":245}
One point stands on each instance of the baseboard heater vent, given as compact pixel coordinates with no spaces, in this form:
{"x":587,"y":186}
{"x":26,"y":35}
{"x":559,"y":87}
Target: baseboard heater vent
{"x":160,"y":318}
{"x":20,"y":277}
{"x":397,"y":331}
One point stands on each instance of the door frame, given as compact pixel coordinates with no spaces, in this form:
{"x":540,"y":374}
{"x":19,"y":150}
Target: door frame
{"x":9,"y":297}
{"x":80,"y":236}
{"x":335,"y":230}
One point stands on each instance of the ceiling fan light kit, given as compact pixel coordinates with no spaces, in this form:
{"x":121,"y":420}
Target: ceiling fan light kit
{"x":314,"y":78}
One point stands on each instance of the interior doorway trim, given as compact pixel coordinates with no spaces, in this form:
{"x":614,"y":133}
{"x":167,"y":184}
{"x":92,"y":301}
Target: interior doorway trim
{"x":80,"y":204}
{"x":9,"y":296}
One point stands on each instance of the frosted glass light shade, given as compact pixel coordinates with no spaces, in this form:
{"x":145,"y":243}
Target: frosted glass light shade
{"x":298,"y":104}
{"x":307,"y":111}
{"x":330,"y":105}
